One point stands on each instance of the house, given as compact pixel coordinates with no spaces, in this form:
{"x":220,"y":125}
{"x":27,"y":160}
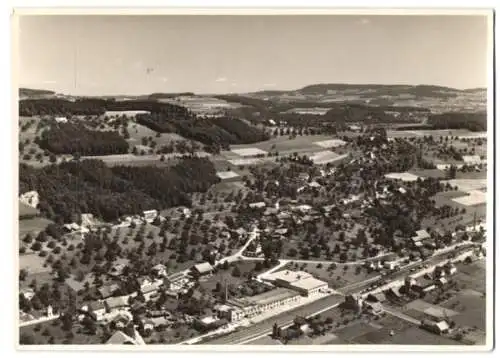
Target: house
{"x":149,"y":291}
{"x":374,"y":308}
{"x":202,"y":269}
{"x":231,"y":313}
{"x":121,"y":338}
{"x":419,"y":236}
{"x":121,"y":320}
{"x":450,"y":269}
{"x":159,"y":313}
{"x":28,"y":293}
{"x":257,"y":205}
{"x":353,"y":302}
{"x":208,"y":323}
{"x":117,"y":269}
{"x":149,"y":215}
{"x":61,"y":119}
{"x":394,"y":293}
{"x":303,"y":176}
{"x":376,"y":297}
{"x":159,"y":270}
{"x":31,"y":199}
{"x":441,"y":281}
{"x":97,"y":310}
{"x":116,"y":303}
{"x":440,"y":327}
{"x":108,"y":290}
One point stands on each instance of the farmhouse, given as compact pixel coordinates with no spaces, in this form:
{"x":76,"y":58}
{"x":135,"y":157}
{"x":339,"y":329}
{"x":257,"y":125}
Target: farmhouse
{"x":97,"y":310}
{"x":435,"y":327}
{"x":30,"y":198}
{"x":108,"y":290}
{"x":116,"y":303}
{"x":121,"y":338}
{"x":202,"y":269}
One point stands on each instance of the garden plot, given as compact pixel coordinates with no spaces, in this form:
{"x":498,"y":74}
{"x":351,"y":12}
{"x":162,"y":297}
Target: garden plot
{"x":468,"y":185}
{"x":402,"y":176}
{"x":326,"y":156}
{"x":227,"y":174}
{"x":475,"y":197}
{"x":330,"y":143}
{"x":249,"y":152}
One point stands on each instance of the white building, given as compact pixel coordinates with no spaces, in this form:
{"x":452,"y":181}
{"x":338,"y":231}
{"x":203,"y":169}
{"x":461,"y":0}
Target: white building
{"x":150,"y":215}
{"x":300,"y":281}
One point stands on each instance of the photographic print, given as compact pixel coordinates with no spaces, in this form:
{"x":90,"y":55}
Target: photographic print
{"x":246,"y":179}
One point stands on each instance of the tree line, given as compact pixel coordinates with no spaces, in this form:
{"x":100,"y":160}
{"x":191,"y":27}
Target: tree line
{"x":89,"y":186}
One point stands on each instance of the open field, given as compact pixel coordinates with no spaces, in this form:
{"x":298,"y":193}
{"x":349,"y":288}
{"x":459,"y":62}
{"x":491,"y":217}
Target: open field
{"x":33,"y":263}
{"x":138,"y":131}
{"x":330,"y":143}
{"x":468,"y":184}
{"x":248,"y":152}
{"x":427,"y":132}
{"x":325,"y":157}
{"x":285,"y":145}
{"x":43,"y":332}
{"x":475,"y":197}
{"x":337,"y":277}
{"x":428,"y":173}
{"x":34,"y":225}
{"x":141,"y":160}
{"x":246,"y":161}
{"x":402,"y":176}
{"x":471,"y":307}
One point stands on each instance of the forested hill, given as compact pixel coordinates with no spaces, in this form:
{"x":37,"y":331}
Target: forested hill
{"x":28,"y":92}
{"x":215,"y":133}
{"x":89,"y":186}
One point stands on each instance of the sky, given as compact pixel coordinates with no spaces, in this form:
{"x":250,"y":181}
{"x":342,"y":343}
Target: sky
{"x":113,"y":55}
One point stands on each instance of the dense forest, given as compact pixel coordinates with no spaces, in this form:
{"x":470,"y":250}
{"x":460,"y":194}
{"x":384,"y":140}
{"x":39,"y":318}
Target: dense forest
{"x":475,"y":122}
{"x":96,"y":106}
{"x":89,"y":186}
{"x":73,"y":138}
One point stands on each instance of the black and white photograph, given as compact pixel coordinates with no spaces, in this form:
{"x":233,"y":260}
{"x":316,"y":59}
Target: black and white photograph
{"x":235,"y":180}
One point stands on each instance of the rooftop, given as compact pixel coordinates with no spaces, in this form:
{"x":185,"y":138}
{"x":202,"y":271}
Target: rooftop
{"x":203,"y":267}
{"x":274,"y":295}
{"x":309,"y":283}
{"x":288,"y":276}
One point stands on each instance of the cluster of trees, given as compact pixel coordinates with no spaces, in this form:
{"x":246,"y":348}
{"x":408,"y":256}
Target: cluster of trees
{"x":73,"y":138}
{"x":89,"y":186}
{"x":211,"y":131}
{"x":359,"y":113}
{"x":475,"y":122}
